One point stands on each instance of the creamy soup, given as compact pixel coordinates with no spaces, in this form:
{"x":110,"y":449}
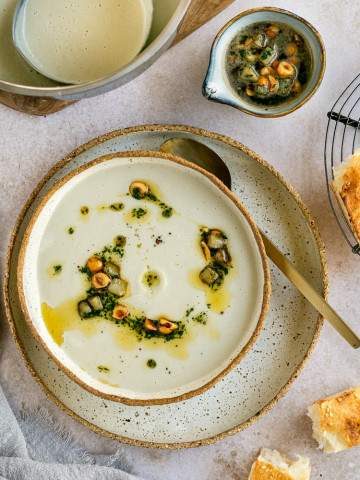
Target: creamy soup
{"x":163,"y":11}
{"x":14,"y":69}
{"x":77,"y":41}
{"x":12,"y":66}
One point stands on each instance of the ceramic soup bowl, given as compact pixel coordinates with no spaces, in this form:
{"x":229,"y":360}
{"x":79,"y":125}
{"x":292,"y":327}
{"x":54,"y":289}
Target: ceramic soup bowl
{"x":153,"y":244}
{"x":217,"y":85}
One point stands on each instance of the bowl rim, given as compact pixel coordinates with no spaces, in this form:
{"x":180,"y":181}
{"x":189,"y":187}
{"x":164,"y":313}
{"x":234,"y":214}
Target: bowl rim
{"x":322,"y":60}
{"x":265,"y":302}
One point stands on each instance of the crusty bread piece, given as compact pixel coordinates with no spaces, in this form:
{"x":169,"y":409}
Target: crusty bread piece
{"x":346,"y":186}
{"x":272,"y":465}
{"x":336,"y":421}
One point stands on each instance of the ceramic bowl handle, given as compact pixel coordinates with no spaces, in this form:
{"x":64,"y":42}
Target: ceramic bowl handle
{"x":200,"y":12}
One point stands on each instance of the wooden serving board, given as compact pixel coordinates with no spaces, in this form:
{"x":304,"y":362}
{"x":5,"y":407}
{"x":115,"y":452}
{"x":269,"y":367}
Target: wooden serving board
{"x":199,"y":12}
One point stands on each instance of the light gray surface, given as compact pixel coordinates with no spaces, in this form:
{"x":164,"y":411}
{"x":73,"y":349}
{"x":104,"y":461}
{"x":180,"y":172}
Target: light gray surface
{"x":170,"y":92}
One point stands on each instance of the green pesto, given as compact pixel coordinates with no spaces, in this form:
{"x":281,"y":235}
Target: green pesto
{"x":110,"y":300}
{"x":136,"y":193}
{"x":166,"y":210}
{"x":201,"y":318}
{"x":220,"y":259}
{"x":151,"y":363}
{"x":151,"y":279}
{"x":84,"y":210}
{"x":137,"y":325}
{"x":109,"y":251}
{"x":222,"y":271}
{"x":117,"y":207}
{"x":120,"y":241}
{"x":103,"y":369}
{"x":106,"y":255}
{"x":138,"y":212}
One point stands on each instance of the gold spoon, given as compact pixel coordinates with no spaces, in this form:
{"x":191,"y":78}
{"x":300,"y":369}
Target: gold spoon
{"x":206,"y":158}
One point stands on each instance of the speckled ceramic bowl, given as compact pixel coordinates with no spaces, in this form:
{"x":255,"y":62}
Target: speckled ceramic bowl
{"x":108,"y":358}
{"x":217,"y":86}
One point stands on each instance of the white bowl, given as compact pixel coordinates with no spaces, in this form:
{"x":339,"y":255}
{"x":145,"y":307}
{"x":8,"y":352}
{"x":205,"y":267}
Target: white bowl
{"x":185,"y":367}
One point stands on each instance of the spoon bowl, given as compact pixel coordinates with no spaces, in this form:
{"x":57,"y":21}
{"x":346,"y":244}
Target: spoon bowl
{"x":199,"y":154}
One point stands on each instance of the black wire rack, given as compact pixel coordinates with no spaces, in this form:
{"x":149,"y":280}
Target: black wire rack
{"x":342,"y":140}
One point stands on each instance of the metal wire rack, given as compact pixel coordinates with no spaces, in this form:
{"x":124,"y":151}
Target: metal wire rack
{"x":342,"y":140}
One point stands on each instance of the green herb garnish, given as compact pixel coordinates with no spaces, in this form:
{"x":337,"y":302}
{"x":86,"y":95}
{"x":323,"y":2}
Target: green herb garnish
{"x":137,"y":324}
{"x":103,"y":369}
{"x":151,"y":363}
{"x":85,"y":270}
{"x":57,"y":269}
{"x":84,"y":210}
{"x":116,"y":207}
{"x":108,"y":252}
{"x":105,"y":302}
{"x":151,"y":279}
{"x":201,"y":318}
{"x":138,"y":194}
{"x":138,"y":212}
{"x":167,"y":212}
{"x":222,"y":271}
{"x":71,"y":230}
{"x":120,"y":241}
{"x":150,"y":196}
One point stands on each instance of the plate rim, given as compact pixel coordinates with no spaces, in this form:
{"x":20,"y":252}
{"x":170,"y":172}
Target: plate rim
{"x":158,"y":128}
{"x":149,"y":154}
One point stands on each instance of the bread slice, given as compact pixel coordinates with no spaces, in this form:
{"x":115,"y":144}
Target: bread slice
{"x":272,"y":465}
{"x":336,"y":421}
{"x":346,"y":186}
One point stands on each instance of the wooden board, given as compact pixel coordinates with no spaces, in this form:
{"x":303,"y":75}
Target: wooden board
{"x":200,"y":12}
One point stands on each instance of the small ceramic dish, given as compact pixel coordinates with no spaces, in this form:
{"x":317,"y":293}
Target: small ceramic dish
{"x":217,"y":84}
{"x":106,"y":357}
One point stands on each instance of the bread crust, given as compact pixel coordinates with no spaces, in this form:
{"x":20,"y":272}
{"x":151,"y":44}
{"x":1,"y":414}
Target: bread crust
{"x":272,"y":465}
{"x":346,"y":186}
{"x":266,"y":471}
{"x":338,"y":415}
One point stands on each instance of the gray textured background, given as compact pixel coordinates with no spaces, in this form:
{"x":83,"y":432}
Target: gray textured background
{"x":170,"y":92}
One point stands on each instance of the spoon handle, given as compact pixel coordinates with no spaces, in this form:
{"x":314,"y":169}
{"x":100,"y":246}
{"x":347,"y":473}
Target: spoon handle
{"x":316,"y":300}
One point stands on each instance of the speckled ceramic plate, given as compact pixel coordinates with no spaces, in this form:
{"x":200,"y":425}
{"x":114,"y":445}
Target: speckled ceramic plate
{"x":256,"y":384}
